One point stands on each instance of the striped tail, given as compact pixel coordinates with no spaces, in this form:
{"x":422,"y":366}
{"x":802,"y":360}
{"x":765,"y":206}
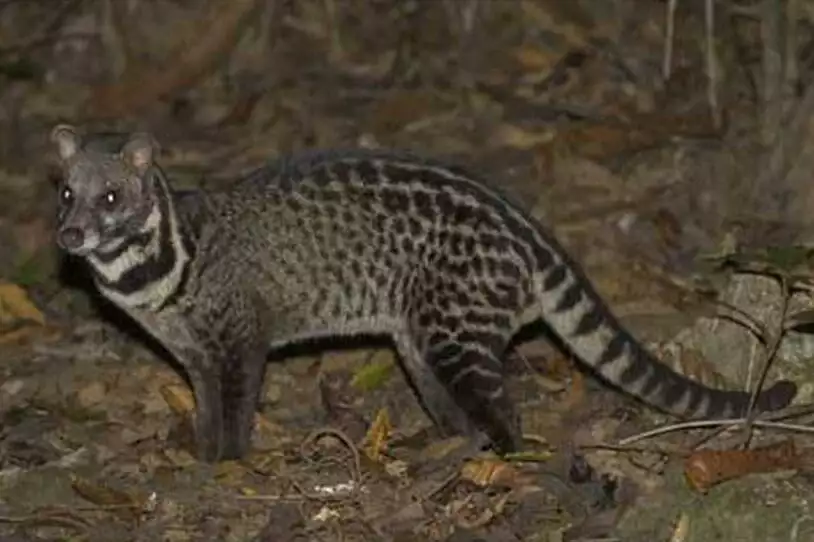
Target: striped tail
{"x":578,"y":316}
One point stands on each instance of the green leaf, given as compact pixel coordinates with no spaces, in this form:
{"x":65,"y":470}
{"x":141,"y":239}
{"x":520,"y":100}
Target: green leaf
{"x":372,"y":375}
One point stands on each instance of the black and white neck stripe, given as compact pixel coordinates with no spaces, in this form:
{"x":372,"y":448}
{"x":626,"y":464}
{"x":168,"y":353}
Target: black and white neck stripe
{"x":149,"y":268}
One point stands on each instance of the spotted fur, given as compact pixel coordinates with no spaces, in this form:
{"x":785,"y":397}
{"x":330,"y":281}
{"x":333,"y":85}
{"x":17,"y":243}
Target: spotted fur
{"x":346,"y":243}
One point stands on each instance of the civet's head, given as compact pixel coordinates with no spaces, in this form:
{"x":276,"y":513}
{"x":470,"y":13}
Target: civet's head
{"x":107,"y":189}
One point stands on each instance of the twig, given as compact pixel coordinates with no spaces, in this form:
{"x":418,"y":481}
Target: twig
{"x":769,"y":420}
{"x":784,"y":426}
{"x":746,"y":323}
{"x":636,"y":449}
{"x":302,"y":496}
{"x":694,"y":424}
{"x":788,"y":413}
{"x":712,"y":64}
{"x":317,"y":434}
{"x":700,"y":424}
{"x":441,"y":486}
{"x":667,"y":63}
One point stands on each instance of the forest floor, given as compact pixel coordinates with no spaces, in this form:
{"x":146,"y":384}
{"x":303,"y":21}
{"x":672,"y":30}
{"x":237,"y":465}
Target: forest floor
{"x":651,"y":182}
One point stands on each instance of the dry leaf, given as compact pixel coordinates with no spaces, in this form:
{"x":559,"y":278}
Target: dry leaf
{"x":127,"y":504}
{"x":682,"y":529}
{"x":20,"y":319}
{"x":18,"y":335}
{"x":534,"y":57}
{"x":377,"y":435}
{"x":178,"y":398}
{"x":230,"y":473}
{"x":16,"y":306}
{"x":510,"y":135}
{"x":397,"y":468}
{"x":492,"y":472}
{"x":179,"y":458}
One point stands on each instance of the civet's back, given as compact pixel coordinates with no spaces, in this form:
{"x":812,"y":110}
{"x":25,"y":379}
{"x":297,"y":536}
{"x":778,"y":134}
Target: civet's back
{"x":341,"y":243}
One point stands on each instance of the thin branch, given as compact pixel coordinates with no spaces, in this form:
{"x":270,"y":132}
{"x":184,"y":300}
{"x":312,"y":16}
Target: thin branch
{"x":712,"y":64}
{"x":669,"y":40}
{"x":701,"y":424}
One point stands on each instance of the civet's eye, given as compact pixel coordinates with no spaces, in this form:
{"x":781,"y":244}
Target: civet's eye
{"x":111,"y":198}
{"x":66,"y":195}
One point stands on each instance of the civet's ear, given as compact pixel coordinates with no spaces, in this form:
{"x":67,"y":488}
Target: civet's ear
{"x":67,"y":140}
{"x":139,"y":151}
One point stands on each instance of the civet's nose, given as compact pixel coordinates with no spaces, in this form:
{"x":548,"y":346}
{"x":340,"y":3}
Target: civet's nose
{"x":70,"y":238}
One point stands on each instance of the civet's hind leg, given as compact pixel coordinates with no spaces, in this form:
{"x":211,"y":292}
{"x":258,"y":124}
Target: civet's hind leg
{"x":460,"y":384}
